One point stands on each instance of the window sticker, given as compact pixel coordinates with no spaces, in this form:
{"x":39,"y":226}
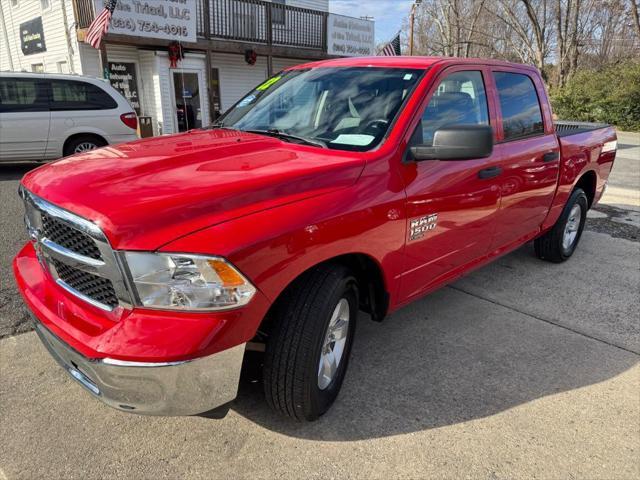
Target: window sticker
{"x":246,"y":101}
{"x":268,"y":83}
{"x":408,"y":76}
{"x":354,"y":139}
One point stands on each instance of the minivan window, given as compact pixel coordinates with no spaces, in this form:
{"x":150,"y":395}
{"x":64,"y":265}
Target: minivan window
{"x":22,"y":95}
{"x":342,"y":108}
{"x":74,"y":95}
{"x":459,"y":99}
{"x":521,"y":113}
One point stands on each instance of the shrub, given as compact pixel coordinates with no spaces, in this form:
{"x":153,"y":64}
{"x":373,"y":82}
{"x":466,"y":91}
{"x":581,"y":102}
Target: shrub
{"x":610,"y":95}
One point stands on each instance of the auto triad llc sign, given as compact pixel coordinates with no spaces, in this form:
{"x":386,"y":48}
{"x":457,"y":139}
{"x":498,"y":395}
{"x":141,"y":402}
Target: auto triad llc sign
{"x":165,"y":19}
{"x":350,"y":37}
{"x":32,"y":37}
{"x":123,"y":78}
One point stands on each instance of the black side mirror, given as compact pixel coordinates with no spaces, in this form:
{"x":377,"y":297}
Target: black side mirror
{"x":460,"y":142}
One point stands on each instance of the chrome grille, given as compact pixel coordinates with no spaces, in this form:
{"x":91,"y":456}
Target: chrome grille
{"x":76,"y":253}
{"x":71,"y":238}
{"x":97,"y":288}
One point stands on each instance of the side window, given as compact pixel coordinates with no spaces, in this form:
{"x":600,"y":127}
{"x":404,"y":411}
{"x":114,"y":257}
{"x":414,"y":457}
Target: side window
{"x":521,"y":114}
{"x":73,"y":95}
{"x":23,"y":95}
{"x":459,"y":99}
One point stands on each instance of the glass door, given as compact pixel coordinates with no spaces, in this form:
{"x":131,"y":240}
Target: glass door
{"x":186,"y":87}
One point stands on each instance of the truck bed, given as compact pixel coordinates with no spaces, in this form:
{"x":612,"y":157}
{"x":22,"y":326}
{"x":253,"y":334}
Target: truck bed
{"x":565,"y":128}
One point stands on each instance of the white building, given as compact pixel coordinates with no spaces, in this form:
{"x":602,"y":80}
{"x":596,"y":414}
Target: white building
{"x":218,"y":38}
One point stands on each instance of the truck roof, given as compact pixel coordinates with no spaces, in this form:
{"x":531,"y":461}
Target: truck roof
{"x":404,"y":62}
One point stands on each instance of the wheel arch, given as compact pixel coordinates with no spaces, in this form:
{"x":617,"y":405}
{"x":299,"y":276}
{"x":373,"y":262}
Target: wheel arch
{"x":74,"y":136}
{"x":588,"y":182}
{"x":374,"y":296}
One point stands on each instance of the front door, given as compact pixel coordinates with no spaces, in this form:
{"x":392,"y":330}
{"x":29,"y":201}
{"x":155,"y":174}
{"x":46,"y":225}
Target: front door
{"x":451,"y":205}
{"x":530,"y":156}
{"x":187,"y":100}
{"x":24,"y":118}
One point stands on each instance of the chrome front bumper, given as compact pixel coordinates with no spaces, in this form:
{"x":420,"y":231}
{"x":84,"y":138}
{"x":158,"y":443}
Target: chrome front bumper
{"x":175,"y":388}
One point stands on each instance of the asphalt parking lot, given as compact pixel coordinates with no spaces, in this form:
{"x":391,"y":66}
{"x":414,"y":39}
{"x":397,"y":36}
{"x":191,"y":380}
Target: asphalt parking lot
{"x":523,"y":369}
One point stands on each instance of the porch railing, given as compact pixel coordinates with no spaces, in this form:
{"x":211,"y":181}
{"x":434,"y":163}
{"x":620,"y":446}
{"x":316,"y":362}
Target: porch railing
{"x":251,"y":21}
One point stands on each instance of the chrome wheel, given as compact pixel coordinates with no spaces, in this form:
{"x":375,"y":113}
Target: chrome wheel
{"x":84,"y":147}
{"x":572,"y":227}
{"x":334,"y":344}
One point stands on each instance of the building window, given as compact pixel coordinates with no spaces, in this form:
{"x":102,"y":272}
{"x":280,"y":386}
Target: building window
{"x":278,"y":13}
{"x":14,"y":3}
{"x":62,"y":67}
{"x":45,"y":4}
{"x":37,"y":67}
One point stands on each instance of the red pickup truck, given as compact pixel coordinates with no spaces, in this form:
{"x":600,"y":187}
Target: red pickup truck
{"x":333,"y":187}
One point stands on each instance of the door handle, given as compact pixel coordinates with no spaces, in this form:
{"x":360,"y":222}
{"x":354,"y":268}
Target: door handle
{"x":490,"y":172}
{"x":550,"y":157}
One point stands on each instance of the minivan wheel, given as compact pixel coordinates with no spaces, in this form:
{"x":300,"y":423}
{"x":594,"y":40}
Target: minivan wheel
{"x":83,"y":143}
{"x":308,"y":348}
{"x":559,"y":243}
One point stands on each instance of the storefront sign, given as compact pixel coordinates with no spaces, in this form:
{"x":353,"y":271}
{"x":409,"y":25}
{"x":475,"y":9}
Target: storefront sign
{"x":350,"y":37}
{"x":164,"y":19}
{"x":32,"y":37}
{"x":124,"y":79}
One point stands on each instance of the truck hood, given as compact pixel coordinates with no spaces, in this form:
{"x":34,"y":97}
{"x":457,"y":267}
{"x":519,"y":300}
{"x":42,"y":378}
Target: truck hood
{"x":149,"y":192}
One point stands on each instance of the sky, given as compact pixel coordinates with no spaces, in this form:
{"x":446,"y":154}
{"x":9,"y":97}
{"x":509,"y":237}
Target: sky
{"x":388,"y":14}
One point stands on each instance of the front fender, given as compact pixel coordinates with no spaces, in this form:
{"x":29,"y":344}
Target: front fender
{"x":273,"y":247}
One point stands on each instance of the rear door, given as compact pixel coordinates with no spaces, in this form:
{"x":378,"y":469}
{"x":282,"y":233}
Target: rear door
{"x":79,"y":107}
{"x":24,"y":118}
{"x":530,"y":155}
{"x":451,"y":205}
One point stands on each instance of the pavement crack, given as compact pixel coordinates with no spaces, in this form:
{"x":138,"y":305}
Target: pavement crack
{"x":546,"y":320}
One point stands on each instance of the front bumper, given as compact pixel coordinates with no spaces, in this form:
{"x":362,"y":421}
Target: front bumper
{"x":174,"y":388}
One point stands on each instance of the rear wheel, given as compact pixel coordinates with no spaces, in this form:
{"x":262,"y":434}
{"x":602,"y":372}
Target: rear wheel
{"x":308,"y":348}
{"x":559,"y":243}
{"x":83,"y":143}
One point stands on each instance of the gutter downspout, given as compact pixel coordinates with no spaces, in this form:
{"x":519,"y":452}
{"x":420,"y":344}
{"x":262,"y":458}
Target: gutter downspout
{"x":6,"y":37}
{"x":67,"y":37}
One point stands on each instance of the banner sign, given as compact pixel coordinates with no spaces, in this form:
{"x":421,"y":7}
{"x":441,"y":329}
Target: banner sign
{"x":350,"y":37}
{"x":124,"y":79}
{"x":165,"y":19}
{"x":32,"y":37}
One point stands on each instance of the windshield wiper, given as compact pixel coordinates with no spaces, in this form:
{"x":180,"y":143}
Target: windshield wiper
{"x":274,"y":132}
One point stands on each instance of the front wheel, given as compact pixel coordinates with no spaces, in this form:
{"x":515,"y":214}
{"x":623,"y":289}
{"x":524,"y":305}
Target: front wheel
{"x":308,"y":348}
{"x":559,"y":243}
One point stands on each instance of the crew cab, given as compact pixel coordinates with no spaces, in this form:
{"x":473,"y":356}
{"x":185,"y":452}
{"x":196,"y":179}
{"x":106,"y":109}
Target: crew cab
{"x":334,"y":187}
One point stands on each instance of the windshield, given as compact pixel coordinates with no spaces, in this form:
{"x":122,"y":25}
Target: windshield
{"x":339,"y":108}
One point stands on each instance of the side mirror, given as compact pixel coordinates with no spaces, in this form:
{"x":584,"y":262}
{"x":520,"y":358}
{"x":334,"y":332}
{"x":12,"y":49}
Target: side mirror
{"x":460,"y":142}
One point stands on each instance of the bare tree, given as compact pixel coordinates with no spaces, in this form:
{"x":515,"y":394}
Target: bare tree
{"x":636,"y":18}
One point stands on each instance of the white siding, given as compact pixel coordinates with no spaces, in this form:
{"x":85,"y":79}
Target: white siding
{"x":237,"y":77}
{"x":282,"y":63}
{"x":322,"y":5}
{"x":53,"y":22}
{"x":150,"y":84}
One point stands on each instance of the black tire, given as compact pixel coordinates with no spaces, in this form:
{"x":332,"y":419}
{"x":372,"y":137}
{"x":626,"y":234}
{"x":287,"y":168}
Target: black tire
{"x":300,"y":321}
{"x":72,"y":145}
{"x":550,"y":245}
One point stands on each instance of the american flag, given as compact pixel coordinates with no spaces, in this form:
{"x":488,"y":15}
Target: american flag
{"x":100,"y":24}
{"x":392,"y":48}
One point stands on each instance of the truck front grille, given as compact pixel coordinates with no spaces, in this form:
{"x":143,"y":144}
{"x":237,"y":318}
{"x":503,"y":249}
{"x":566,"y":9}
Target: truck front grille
{"x":76,"y":253}
{"x":96,"y":288}
{"x":62,"y":234}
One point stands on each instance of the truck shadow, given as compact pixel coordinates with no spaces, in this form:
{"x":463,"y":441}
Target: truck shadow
{"x":15,"y":171}
{"x":449,"y":358}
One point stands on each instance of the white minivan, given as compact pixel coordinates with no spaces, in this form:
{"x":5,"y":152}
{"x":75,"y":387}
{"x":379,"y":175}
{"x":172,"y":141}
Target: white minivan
{"x":44,"y":117}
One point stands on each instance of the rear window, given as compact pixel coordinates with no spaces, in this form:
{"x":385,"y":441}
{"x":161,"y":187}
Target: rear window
{"x":22,"y":95}
{"x":73,"y":95}
{"x":521,"y":114}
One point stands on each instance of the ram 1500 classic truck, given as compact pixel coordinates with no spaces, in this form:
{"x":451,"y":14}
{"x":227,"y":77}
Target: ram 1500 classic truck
{"x":333,"y":187}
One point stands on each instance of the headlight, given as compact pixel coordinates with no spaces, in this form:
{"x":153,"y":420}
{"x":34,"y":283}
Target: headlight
{"x":187,"y":282}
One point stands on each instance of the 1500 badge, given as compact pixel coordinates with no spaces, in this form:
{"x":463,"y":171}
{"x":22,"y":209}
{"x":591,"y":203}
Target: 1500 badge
{"x":421,"y":225}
